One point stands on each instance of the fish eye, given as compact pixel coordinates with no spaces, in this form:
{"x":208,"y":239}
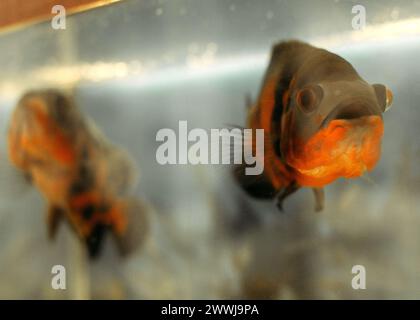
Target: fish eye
{"x":308,"y":98}
{"x":389,"y":98}
{"x":384,"y":96}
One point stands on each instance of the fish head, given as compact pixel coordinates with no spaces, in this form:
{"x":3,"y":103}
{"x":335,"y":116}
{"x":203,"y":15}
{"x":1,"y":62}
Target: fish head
{"x":334,"y":129}
{"x":46,"y":110}
{"x":43,"y":127}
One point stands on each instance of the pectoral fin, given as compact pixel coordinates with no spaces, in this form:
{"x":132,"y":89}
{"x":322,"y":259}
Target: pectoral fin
{"x":319,"y":198}
{"x":54,"y":216}
{"x":28,"y":177}
{"x":290,"y":189}
{"x":248,"y":102}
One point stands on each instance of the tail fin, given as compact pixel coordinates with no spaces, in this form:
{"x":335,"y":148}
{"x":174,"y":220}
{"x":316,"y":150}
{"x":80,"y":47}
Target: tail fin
{"x":256,"y":186}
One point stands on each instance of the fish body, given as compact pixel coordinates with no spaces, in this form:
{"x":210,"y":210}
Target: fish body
{"x":321,"y":121}
{"x":83,"y":177}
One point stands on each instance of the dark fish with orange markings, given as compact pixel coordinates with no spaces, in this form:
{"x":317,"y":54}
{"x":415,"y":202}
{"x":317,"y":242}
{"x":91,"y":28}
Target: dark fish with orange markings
{"x":321,"y":121}
{"x":83,"y":177}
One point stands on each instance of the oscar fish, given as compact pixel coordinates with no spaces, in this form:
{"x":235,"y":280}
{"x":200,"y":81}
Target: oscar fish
{"x":321,"y":121}
{"x":83,"y":177}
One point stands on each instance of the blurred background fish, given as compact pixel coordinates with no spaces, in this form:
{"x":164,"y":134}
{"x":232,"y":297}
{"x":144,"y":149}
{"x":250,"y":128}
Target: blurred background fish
{"x":83,"y":177}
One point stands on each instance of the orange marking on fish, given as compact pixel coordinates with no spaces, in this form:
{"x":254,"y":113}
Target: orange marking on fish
{"x":343,"y":149}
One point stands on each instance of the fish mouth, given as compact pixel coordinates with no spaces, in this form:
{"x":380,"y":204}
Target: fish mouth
{"x":314,"y":172}
{"x":343,"y":149}
{"x":349,"y":111}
